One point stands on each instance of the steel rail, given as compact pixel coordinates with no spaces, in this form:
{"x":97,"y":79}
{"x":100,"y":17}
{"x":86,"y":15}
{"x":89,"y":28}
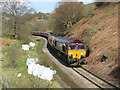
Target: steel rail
{"x":101,"y":78}
{"x":114,"y":87}
{"x":88,"y":79}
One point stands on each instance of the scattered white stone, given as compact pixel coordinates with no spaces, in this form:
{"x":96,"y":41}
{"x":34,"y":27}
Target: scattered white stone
{"x":19,"y":75}
{"x":25,"y":47}
{"x":32,"y":44}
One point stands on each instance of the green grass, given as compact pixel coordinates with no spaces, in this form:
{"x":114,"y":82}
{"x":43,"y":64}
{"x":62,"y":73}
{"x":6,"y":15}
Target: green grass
{"x":37,"y":49}
{"x":25,"y":81}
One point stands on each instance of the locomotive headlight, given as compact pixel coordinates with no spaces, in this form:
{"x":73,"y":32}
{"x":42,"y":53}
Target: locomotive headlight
{"x":71,"y":55}
{"x":81,"y":53}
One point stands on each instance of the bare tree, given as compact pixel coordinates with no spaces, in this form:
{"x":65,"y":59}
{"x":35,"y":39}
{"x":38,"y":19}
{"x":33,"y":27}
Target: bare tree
{"x":14,"y":10}
{"x":67,"y":14}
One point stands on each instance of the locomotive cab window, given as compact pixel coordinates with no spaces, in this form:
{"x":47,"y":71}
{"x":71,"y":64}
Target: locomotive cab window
{"x":81,"y":47}
{"x":72,"y":47}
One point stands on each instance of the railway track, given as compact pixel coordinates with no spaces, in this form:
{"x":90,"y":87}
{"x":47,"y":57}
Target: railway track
{"x":97,"y":81}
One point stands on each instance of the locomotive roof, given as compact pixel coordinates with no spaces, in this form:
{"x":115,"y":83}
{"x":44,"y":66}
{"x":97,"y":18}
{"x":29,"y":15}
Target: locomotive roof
{"x":66,"y":40}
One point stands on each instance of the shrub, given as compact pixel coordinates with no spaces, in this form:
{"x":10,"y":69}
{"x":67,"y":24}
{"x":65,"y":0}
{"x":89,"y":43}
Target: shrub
{"x":9,"y":36}
{"x":25,"y":40}
{"x":24,"y":34}
{"x":99,"y":4}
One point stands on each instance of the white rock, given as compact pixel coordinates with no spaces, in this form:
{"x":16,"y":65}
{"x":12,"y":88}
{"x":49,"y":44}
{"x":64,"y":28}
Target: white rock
{"x":25,"y":47}
{"x":32,"y":44}
{"x":19,"y":75}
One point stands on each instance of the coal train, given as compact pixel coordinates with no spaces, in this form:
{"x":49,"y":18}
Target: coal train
{"x":71,"y":50}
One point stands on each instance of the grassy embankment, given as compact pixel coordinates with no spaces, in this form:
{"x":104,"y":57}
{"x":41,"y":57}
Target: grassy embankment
{"x":10,"y":69}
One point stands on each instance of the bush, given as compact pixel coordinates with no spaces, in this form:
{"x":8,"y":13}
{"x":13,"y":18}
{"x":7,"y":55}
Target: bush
{"x":9,"y":36}
{"x":25,"y":40}
{"x":24,"y":34}
{"x":99,"y":4}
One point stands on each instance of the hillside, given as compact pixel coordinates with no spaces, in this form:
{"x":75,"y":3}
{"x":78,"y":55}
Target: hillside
{"x":100,"y":32}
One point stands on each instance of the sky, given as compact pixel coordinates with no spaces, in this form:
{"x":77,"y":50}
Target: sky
{"x":45,"y":7}
{"x":48,"y":6}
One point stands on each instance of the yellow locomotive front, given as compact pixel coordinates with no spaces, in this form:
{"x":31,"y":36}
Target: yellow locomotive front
{"x":76,"y":52}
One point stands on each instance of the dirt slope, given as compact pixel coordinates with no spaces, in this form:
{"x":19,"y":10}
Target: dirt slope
{"x":100,"y":31}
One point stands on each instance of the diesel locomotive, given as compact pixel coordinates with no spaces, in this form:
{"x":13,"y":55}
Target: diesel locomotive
{"x":71,"y":50}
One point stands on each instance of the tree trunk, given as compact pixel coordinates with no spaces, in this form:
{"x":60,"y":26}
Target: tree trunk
{"x":15,"y":30}
{"x":13,"y":63}
{"x":69,"y":25}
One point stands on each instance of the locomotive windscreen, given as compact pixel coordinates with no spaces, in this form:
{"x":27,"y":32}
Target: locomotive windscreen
{"x":72,"y":47}
{"x":81,"y":47}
